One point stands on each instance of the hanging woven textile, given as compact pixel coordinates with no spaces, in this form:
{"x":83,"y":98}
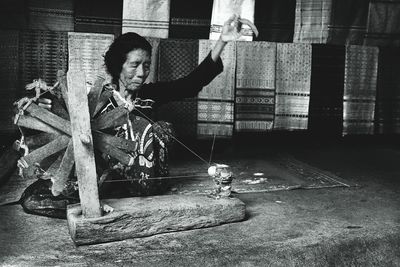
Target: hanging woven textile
{"x":326,"y":92}
{"x":275,"y":20}
{"x":387,"y":113}
{"x":348,"y":22}
{"x":224,"y":9}
{"x":215,"y":102}
{"x":86,"y":52}
{"x":190,"y":19}
{"x":255,"y":86}
{"x":177,"y":59}
{"x":101,"y":16}
{"x":51,"y":15}
{"x":360,"y":81}
{"x":9,"y":40}
{"x":42,"y":54}
{"x":293,"y":80}
{"x":146,"y":17}
{"x":383,"y":27}
{"x":312,"y":20}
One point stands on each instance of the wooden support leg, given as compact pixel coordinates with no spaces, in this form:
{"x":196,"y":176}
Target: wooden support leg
{"x":83,"y":144}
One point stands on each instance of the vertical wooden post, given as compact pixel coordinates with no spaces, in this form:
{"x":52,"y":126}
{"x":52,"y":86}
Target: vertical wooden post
{"x":83,"y":144}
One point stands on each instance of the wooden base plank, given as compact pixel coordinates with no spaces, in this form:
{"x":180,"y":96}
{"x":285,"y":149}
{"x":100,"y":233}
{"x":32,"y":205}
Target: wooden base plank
{"x":146,"y":216}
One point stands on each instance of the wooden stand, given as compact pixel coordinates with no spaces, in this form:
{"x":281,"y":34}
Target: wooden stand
{"x":146,"y":216}
{"x":131,"y":217}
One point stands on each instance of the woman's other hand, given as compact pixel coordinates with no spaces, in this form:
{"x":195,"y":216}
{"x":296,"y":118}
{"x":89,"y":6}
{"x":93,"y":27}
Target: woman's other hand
{"x":44,"y":103}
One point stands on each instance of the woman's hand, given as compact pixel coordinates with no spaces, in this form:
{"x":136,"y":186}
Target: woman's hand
{"x":232,"y":29}
{"x":44,"y":103}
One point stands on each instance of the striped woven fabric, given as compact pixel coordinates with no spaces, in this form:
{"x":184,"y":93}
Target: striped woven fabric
{"x":190,"y":19}
{"x":387,"y":109}
{"x":293,"y":79}
{"x":51,"y":15}
{"x":275,"y":20}
{"x":12,"y":14}
{"x":42,"y":54}
{"x":255,"y":86}
{"x":146,"y":17}
{"x":101,"y":16}
{"x":177,"y":59}
{"x":326,"y":93}
{"x":86,"y":52}
{"x":360,"y":81}
{"x":383,"y":23}
{"x":223,"y":9}
{"x":9,"y":40}
{"x":348,"y":22}
{"x":155,"y":47}
{"x":312,"y":20}
{"x":215,"y":105}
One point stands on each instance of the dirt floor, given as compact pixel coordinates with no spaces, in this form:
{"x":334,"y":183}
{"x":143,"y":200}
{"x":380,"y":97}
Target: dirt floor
{"x":355,"y":226}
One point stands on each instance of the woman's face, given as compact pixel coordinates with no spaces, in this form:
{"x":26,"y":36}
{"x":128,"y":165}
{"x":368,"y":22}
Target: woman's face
{"x":135,"y":69}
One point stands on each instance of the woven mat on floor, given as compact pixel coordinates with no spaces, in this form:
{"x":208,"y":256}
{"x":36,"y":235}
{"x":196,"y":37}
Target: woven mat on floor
{"x":253,"y":175}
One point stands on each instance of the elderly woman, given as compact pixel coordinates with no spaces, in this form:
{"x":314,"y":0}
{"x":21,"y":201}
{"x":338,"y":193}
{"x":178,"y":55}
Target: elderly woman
{"x":128,"y":62}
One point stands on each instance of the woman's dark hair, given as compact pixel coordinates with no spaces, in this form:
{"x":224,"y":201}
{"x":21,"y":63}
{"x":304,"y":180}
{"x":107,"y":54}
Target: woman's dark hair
{"x":115,"y":57}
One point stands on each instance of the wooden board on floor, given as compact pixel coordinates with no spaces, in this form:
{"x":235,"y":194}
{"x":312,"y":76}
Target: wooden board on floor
{"x":145,"y":216}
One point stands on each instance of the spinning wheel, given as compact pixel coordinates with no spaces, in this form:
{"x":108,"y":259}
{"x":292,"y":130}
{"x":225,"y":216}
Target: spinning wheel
{"x":79,"y":131}
{"x":55,"y":135}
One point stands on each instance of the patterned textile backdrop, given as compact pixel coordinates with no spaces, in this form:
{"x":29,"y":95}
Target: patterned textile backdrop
{"x":86,"y":52}
{"x":348,"y":22}
{"x":387,"y":110}
{"x":383,"y":27}
{"x":255,"y":86}
{"x":312,"y":20}
{"x":190,"y":19}
{"x":215,"y":105}
{"x":42,"y":54}
{"x":293,"y":80}
{"x":148,"y":17}
{"x":51,"y":15}
{"x":360,"y":80}
{"x":101,"y":16}
{"x":9,"y":40}
{"x":224,"y":9}
{"x":275,"y":20}
{"x":326,"y":93}
{"x":178,"y":58}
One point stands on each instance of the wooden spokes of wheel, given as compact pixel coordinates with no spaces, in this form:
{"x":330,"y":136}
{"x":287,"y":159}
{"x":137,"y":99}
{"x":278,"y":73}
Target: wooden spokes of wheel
{"x":53,"y":139}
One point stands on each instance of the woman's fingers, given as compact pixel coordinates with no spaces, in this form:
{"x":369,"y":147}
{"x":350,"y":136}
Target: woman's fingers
{"x":231,"y":19}
{"x":44,"y":106}
{"x":44,"y":103}
{"x":250,"y":24}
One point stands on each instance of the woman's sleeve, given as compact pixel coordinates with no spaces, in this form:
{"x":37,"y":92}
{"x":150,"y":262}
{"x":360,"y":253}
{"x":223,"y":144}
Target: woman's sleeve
{"x":188,"y":86}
